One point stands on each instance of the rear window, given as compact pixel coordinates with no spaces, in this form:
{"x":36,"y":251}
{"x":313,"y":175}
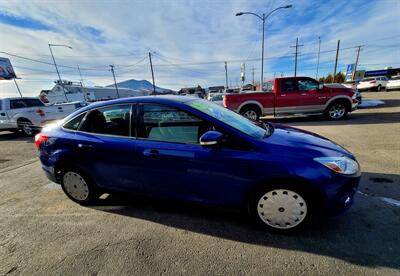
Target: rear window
{"x":23,"y":103}
{"x":74,"y":123}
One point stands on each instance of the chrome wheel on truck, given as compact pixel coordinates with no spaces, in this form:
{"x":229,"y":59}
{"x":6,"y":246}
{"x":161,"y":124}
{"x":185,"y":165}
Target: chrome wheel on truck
{"x":251,"y":113}
{"x":336,"y":111}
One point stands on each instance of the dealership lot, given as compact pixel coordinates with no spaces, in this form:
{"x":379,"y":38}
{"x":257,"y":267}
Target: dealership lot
{"x":43,"y":232}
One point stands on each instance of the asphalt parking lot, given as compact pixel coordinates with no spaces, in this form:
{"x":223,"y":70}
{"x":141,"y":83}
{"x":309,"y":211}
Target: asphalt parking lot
{"x":43,"y":232}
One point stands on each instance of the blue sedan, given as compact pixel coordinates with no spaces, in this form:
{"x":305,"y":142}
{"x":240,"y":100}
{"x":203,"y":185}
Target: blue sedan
{"x":190,"y":149}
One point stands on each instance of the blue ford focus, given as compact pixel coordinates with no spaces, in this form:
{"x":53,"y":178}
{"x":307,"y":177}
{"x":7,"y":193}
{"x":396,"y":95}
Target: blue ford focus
{"x":190,"y":149}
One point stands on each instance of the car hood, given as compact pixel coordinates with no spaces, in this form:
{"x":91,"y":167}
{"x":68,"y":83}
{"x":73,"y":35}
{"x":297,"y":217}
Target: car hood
{"x":296,"y":142}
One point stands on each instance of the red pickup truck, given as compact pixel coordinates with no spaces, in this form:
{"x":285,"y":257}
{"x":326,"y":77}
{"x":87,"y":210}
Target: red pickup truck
{"x":294,"y":95}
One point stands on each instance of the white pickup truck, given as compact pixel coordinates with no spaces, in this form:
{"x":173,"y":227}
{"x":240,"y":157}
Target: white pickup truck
{"x":30,"y":114}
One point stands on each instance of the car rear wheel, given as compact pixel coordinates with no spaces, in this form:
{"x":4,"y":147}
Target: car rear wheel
{"x":78,"y":187}
{"x":251,"y":113}
{"x":280,"y":208}
{"x":336,"y":111}
{"x":379,"y":88}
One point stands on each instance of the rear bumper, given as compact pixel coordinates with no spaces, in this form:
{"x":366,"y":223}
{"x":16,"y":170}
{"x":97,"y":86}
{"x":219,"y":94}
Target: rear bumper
{"x":50,"y":174}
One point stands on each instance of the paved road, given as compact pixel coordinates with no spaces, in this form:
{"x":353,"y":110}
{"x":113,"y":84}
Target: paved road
{"x":42,"y":232}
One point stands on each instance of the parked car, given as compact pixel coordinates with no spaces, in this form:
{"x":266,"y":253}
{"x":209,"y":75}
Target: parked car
{"x":372,"y":83}
{"x":30,"y":114}
{"x":351,"y":84}
{"x":189,"y":149}
{"x":218,"y":98}
{"x":393,"y":83}
{"x":294,"y":95}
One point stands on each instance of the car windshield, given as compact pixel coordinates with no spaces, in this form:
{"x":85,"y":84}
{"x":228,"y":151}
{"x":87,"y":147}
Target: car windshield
{"x":395,"y":78}
{"x":230,"y":118}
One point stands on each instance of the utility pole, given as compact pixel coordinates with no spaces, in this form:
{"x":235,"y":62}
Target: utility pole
{"x":55,"y":65}
{"x":152,"y":75}
{"x":115,"y":81}
{"x":296,"y":53}
{"x":243,"y":73}
{"x":319,"y":52}
{"x":356,"y":64}
{"x":226,"y":75}
{"x":83,"y":84}
{"x":19,"y":91}
{"x":253,"y":74}
{"x":337,"y":56}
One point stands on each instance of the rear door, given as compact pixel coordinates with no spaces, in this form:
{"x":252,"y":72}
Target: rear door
{"x":104,"y":147}
{"x":4,"y":120}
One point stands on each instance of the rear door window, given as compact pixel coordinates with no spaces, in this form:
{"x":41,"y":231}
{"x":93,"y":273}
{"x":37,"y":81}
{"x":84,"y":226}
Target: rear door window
{"x":289,"y":86}
{"x":23,"y":103}
{"x":109,"y":120}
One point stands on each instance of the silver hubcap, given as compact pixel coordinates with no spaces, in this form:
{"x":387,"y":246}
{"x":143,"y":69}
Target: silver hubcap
{"x":250,"y":114}
{"x":282,"y":209}
{"x":75,"y":186}
{"x":337,"y":111}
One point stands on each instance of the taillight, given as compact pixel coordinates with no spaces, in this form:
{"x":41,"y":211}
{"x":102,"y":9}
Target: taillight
{"x":39,"y":139}
{"x":40,"y":112}
{"x":224,"y":101}
{"x":374,"y":81}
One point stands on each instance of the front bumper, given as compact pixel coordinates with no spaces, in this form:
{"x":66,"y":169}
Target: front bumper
{"x":366,"y":86}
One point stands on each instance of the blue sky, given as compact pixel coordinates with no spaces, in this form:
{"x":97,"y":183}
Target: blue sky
{"x":191,"y":39}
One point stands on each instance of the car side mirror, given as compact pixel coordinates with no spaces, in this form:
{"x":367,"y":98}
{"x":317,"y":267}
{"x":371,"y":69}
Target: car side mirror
{"x":211,"y":138}
{"x":320,"y":86}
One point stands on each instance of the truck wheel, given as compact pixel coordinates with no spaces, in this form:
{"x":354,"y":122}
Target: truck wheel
{"x":337,"y":110}
{"x":26,"y":127}
{"x":251,"y":112}
{"x":379,"y":88}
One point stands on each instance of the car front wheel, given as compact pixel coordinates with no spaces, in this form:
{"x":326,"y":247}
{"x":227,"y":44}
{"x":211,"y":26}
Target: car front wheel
{"x":78,"y":187}
{"x":281,"y":209}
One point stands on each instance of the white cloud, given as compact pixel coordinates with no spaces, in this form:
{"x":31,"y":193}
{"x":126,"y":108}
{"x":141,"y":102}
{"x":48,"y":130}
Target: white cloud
{"x":191,"y":32}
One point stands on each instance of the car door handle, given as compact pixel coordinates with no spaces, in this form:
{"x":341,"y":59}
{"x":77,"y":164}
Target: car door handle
{"x":303,"y":94}
{"x":283,"y":95}
{"x":153,"y":153}
{"x":59,"y":107}
{"x":85,"y":146}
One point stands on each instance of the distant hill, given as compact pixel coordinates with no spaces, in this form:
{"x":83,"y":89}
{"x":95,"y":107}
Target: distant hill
{"x":139,"y":85}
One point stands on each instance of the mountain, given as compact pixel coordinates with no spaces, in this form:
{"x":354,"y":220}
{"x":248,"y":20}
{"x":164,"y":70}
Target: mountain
{"x":139,"y":85}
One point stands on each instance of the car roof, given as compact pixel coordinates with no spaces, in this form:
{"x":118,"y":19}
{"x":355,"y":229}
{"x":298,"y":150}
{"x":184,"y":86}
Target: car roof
{"x":145,"y":99}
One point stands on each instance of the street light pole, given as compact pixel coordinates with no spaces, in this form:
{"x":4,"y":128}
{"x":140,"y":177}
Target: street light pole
{"x":263,"y":19}
{"x":55,"y":65}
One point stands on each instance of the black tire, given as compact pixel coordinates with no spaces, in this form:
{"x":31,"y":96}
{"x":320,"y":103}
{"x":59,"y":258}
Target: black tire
{"x":264,"y":215}
{"x":77,"y":192}
{"x":251,"y":112}
{"x":337,"y":110}
{"x":26,"y":127}
{"x":379,"y":88}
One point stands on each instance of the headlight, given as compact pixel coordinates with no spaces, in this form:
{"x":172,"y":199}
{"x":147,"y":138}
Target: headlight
{"x":343,"y":165}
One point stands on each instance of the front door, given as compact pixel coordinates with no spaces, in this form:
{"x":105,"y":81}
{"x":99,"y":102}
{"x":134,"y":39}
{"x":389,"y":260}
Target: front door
{"x":175,"y":165}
